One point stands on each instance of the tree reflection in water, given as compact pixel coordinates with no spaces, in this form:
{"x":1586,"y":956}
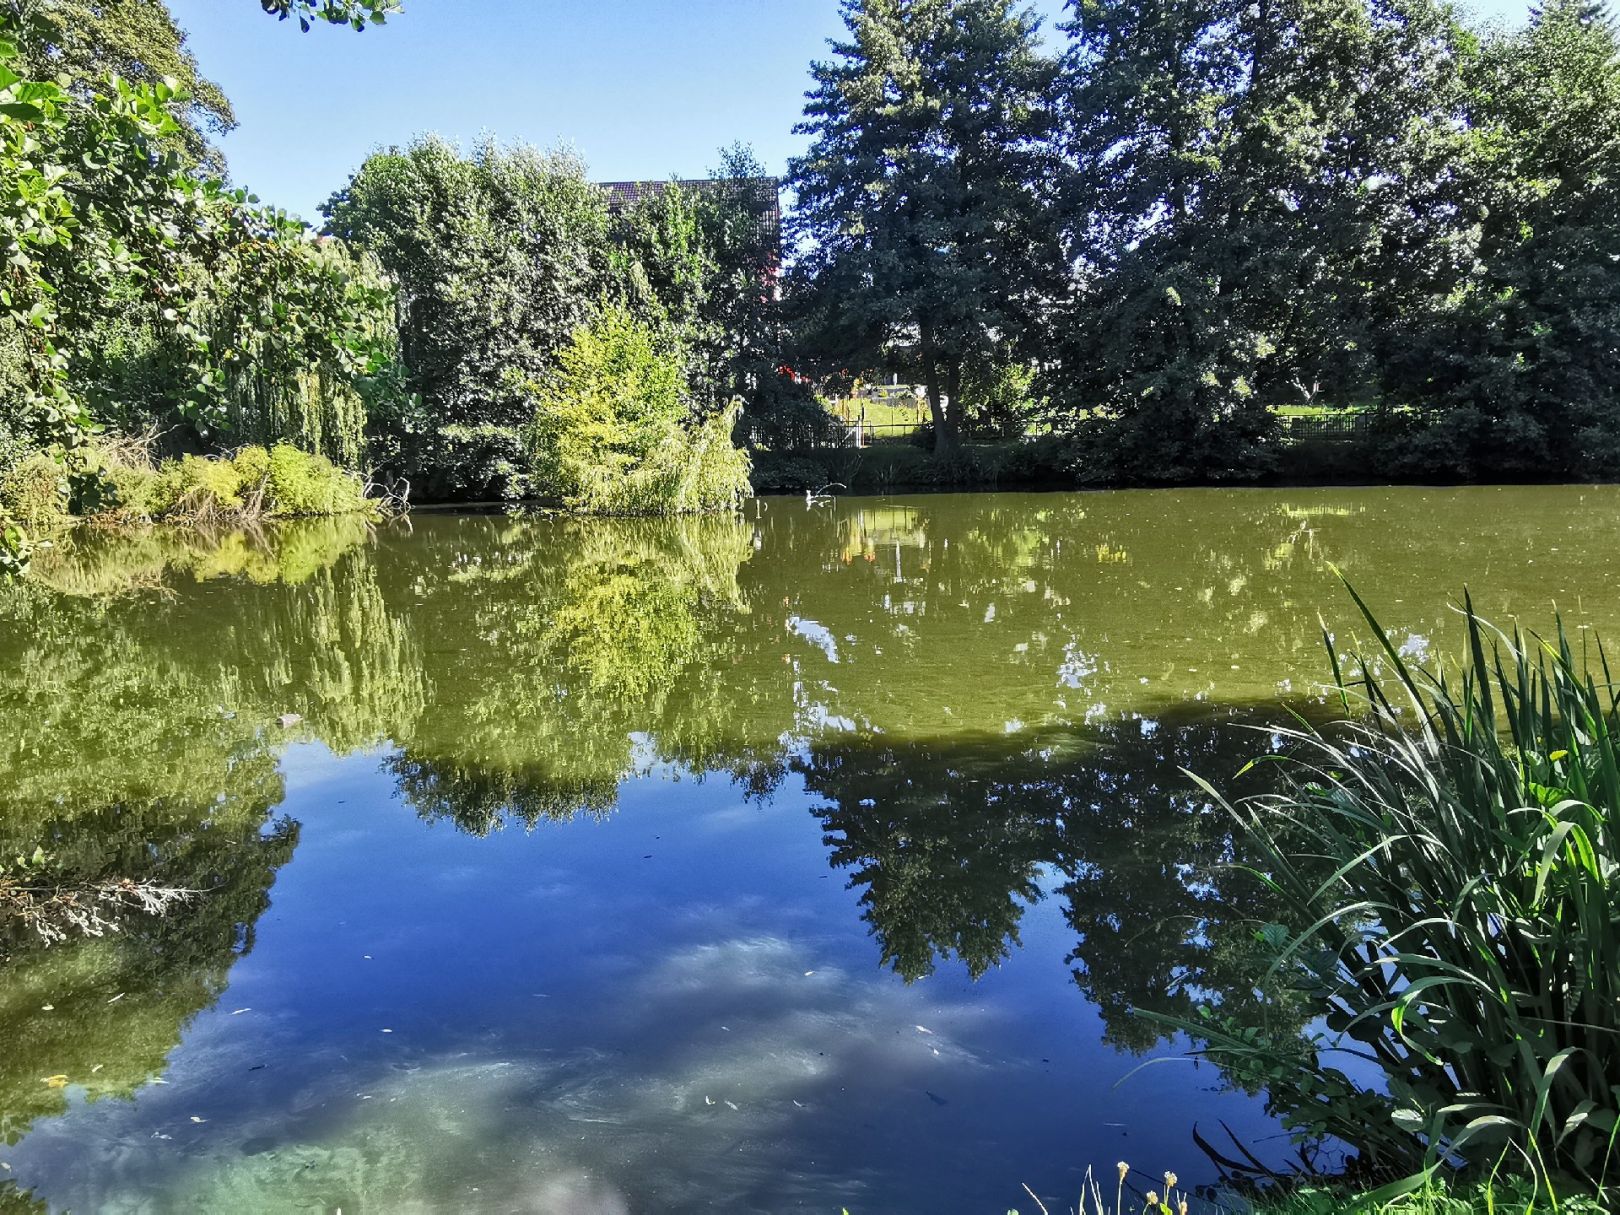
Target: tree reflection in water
{"x":987,"y":701}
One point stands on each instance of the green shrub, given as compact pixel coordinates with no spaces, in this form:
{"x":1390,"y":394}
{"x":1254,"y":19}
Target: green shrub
{"x":16,"y":443}
{"x":1451,"y":860}
{"x":305,"y":484}
{"x":777,"y":472}
{"x":131,"y":491}
{"x":252,"y":465}
{"x":197,"y":486}
{"x":253,"y":482}
{"x":33,"y":493}
{"x":610,"y":433}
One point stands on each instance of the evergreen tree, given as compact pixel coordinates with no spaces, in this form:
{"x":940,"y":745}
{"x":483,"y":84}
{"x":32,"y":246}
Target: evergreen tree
{"x":1234,"y":167}
{"x":921,"y":199}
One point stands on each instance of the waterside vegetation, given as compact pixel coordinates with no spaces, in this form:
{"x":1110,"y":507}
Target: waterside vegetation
{"x":1122,"y":254}
{"x":1150,"y":235}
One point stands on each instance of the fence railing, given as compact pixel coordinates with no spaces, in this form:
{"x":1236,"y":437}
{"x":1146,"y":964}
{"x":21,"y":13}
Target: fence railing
{"x":836,"y":432}
{"x":1341,"y":426}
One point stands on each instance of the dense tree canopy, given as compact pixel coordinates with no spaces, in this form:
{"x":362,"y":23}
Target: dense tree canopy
{"x":504,"y":256}
{"x":1232,"y":171}
{"x":1174,"y":220}
{"x":83,"y":40}
{"x":920,"y":202}
{"x":1153,"y":231}
{"x":1513,"y":359}
{"x":134,"y":272}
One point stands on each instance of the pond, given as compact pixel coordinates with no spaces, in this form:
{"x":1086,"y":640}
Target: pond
{"x":822,"y":857}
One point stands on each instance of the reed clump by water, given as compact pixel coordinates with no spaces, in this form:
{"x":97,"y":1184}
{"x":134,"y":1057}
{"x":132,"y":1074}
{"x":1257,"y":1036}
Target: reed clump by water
{"x":1449,"y":858}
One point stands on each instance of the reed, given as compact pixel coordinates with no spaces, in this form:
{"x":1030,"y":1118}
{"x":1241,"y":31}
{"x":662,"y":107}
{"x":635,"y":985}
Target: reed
{"x":1449,"y":856}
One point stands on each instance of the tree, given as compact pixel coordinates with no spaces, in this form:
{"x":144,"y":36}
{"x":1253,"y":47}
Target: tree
{"x":1511,"y":363}
{"x":612,"y":435}
{"x":922,"y":194}
{"x":356,"y":13}
{"x":136,"y":40}
{"x":699,"y":258}
{"x":1234,"y":169}
{"x":499,"y":257}
{"x":93,"y":196}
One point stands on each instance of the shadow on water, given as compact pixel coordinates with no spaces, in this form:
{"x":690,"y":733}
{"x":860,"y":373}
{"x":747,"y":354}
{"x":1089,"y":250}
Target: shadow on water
{"x":975,"y":710}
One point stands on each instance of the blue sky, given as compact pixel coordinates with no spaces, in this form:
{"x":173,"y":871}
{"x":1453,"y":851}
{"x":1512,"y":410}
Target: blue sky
{"x":640,"y":88}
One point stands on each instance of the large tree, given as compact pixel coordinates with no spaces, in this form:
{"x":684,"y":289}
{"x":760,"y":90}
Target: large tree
{"x":698,"y":257}
{"x":1236,"y":167}
{"x":921,"y":201}
{"x":137,"y":40}
{"x":1512,"y":367}
{"x":97,"y":198}
{"x":499,"y":258}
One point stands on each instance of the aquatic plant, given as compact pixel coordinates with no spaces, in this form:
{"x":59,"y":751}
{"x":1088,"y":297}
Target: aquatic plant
{"x":1449,"y":861}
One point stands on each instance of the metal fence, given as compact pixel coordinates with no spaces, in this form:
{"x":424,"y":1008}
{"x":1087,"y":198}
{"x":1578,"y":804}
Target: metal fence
{"x":1295,"y":428}
{"x":1333,"y":426}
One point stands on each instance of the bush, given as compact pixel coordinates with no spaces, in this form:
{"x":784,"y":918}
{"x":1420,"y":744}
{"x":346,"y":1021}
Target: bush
{"x":1459,"y":919}
{"x":305,"y":484}
{"x":199,"y":487}
{"x":284,"y":481}
{"x":33,"y":494}
{"x":776,"y":472}
{"x":610,"y":433}
{"x":252,"y":465}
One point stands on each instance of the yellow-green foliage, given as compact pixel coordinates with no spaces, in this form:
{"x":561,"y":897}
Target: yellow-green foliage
{"x":198,"y":486}
{"x":611,"y":436}
{"x":283,"y":482}
{"x":302,"y":484}
{"x":253,"y":466}
{"x":34,"y":494}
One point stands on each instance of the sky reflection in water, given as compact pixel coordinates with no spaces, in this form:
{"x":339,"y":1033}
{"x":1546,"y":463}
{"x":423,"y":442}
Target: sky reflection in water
{"x":818,"y":858}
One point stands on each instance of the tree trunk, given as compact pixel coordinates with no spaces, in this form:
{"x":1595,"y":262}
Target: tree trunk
{"x":945,"y":406}
{"x":931,"y":372}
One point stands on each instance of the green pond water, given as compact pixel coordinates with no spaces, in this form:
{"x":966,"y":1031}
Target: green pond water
{"x":820,"y":857}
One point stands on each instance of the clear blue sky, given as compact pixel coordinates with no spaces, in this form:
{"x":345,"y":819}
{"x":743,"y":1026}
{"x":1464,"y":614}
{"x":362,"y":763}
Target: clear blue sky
{"x":640,"y":88}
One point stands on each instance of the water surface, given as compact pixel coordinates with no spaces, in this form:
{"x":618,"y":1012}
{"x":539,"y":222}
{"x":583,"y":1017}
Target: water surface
{"x":817,"y":858}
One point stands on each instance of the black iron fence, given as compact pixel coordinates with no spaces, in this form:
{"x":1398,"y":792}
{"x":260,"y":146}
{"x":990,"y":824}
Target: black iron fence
{"x":1340,"y":426}
{"x":835,"y":432}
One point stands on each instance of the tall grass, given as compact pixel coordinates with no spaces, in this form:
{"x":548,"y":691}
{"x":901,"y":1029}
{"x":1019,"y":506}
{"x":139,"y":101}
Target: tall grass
{"x":1450,"y":858}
